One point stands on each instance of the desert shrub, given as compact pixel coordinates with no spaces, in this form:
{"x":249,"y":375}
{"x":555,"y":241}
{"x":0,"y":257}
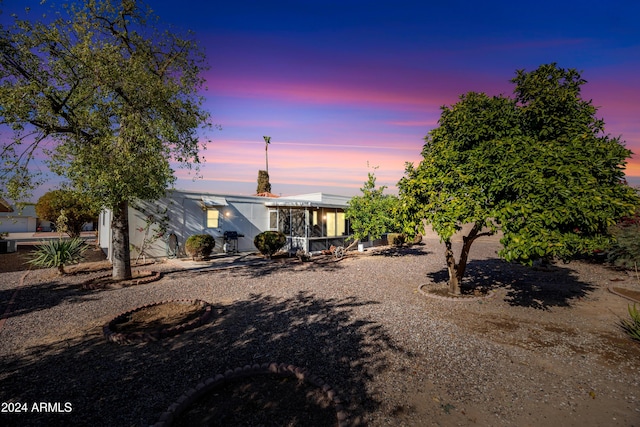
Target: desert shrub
{"x":625,"y":251}
{"x":396,"y":238}
{"x":270,"y":242}
{"x":632,"y":326}
{"x":58,"y":253}
{"x":199,"y":246}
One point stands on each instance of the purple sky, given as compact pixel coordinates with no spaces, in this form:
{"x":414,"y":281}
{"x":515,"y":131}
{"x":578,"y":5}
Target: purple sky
{"x":345,"y":86}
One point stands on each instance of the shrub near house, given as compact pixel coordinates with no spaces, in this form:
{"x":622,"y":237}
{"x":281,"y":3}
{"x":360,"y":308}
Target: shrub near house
{"x":199,"y":246}
{"x":270,"y":242}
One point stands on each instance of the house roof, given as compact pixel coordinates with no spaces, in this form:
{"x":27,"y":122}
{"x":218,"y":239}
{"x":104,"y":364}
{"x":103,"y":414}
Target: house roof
{"x":212,"y":201}
{"x":5,"y":206}
{"x":267,"y":194}
{"x":27,"y":210}
{"x":311,"y":200}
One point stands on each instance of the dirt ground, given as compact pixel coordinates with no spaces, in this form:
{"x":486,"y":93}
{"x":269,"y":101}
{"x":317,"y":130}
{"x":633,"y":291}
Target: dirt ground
{"x":18,"y":261}
{"x":530,"y":320}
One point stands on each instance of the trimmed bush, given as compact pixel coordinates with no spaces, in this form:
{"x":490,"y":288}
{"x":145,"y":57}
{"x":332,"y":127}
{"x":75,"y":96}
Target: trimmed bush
{"x":270,"y":242}
{"x":199,"y":246}
{"x":58,"y":253}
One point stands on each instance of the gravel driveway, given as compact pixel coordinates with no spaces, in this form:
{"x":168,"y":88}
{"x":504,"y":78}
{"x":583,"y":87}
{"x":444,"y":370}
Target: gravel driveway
{"x":545,"y":350}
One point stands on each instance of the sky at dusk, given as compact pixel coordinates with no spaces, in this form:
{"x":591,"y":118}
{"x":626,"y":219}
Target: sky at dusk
{"x":348,"y":87}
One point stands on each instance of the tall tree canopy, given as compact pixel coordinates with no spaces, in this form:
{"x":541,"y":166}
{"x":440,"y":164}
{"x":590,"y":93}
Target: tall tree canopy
{"x":537,"y":166}
{"x":106,"y":94}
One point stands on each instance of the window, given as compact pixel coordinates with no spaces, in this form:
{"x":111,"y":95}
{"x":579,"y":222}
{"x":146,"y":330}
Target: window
{"x":331,"y":223}
{"x":340,"y":224}
{"x":213,"y":218}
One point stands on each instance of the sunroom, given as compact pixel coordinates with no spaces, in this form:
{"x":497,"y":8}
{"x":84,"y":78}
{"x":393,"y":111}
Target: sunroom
{"x":310,"y":227}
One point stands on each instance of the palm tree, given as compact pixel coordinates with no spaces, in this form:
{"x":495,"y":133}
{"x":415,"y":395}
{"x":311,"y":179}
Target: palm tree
{"x":267,"y":140}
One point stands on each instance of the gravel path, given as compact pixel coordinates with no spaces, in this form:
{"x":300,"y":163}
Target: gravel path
{"x":545,"y":350}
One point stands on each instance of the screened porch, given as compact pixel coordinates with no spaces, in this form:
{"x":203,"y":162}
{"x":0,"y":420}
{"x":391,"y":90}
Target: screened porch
{"x":310,"y":228}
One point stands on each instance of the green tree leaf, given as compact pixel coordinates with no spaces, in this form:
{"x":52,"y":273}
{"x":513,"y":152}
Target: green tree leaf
{"x":109,"y":96}
{"x":537,"y":166}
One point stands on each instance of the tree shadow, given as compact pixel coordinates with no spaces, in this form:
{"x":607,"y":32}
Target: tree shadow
{"x":30,"y":298}
{"x":394,"y":251}
{"x":535,"y":287}
{"x":109,"y":384}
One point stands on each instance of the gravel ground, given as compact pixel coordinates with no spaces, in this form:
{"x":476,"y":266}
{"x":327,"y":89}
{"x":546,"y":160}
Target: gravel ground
{"x":544,"y":350}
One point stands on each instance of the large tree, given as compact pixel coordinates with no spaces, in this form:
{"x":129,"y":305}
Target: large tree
{"x":76,"y":207}
{"x":110,"y":97}
{"x":538,"y":166}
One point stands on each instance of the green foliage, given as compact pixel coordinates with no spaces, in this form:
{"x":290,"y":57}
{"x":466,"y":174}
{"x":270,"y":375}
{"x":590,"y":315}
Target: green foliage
{"x":625,"y":251}
{"x":632,"y":326}
{"x":199,"y":246}
{"x":372,"y":214}
{"x":107,"y":95}
{"x":264,"y":186}
{"x":59,"y":253}
{"x":537,"y":166}
{"x":270,"y":242}
{"x":116,"y":95}
{"x":78,"y":209}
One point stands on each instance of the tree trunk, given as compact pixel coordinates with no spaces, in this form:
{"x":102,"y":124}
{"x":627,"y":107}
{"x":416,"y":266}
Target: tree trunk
{"x":454,"y":283}
{"x":457,"y":270}
{"x":121,"y":257}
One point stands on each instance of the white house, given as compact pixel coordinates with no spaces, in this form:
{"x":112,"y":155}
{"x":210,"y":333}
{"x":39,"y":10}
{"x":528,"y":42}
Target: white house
{"x":311,"y":222}
{"x":14,"y":220}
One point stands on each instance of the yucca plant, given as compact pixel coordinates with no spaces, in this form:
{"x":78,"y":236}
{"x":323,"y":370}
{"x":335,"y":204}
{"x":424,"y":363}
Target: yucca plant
{"x":58,"y":253}
{"x":632,"y":326}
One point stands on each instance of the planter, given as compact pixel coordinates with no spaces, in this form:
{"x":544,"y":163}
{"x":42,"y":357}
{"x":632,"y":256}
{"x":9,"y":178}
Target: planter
{"x":7,"y":246}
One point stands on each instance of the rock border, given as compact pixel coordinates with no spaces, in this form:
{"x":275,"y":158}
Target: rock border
{"x":134,"y":337}
{"x":462,"y":298}
{"x":88,"y":285}
{"x":613,"y":291}
{"x":279,"y":369}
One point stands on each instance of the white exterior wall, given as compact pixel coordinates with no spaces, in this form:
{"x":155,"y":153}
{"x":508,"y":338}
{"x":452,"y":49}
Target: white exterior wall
{"x":24,"y":221}
{"x":246,"y":215}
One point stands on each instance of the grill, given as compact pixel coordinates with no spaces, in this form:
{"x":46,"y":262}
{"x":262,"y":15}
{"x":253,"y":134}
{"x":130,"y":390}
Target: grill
{"x":230,"y":235}
{"x":230,"y":242}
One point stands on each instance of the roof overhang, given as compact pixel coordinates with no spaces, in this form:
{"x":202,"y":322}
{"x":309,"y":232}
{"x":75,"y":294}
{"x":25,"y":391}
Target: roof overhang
{"x":301,"y":204}
{"x":212,"y":202}
{"x":5,"y":206}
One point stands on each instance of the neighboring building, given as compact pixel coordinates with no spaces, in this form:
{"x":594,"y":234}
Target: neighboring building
{"x":15,"y":220}
{"x":311,"y":222}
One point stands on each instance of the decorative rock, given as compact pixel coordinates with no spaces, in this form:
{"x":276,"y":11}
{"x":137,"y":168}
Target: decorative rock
{"x":123,"y":338}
